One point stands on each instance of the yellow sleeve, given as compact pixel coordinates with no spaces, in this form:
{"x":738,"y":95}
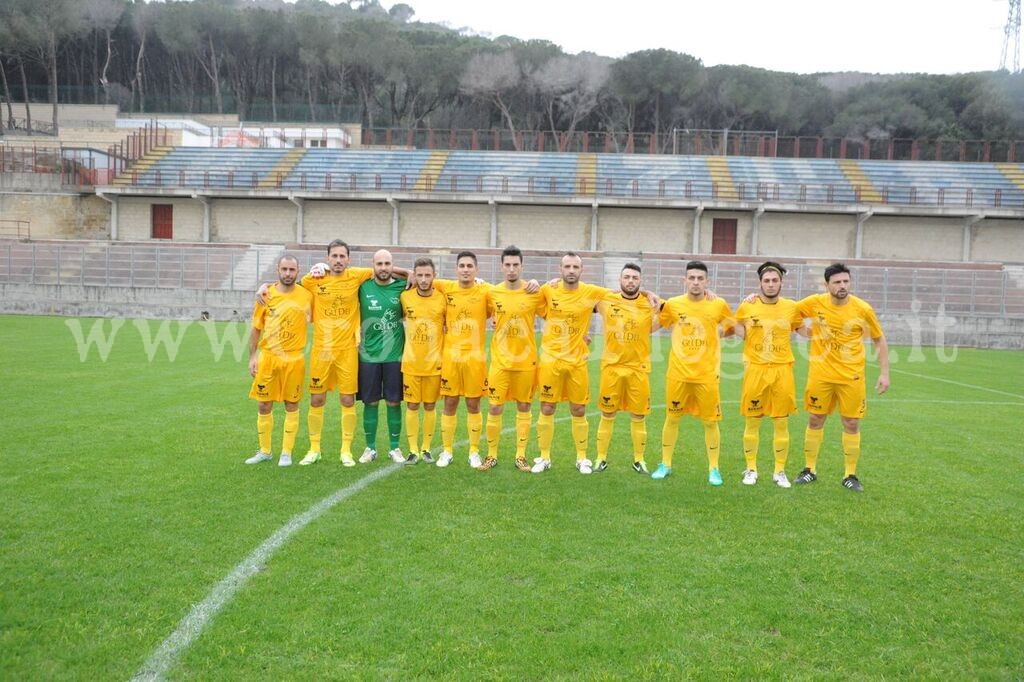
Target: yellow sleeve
{"x":665,"y":316}
{"x":743,"y":312}
{"x":728,"y":321}
{"x":259,"y":316}
{"x":805,"y":306}
{"x":874,"y":328}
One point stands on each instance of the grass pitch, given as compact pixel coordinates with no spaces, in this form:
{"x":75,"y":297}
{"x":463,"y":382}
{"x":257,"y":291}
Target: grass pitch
{"x":126,"y":502}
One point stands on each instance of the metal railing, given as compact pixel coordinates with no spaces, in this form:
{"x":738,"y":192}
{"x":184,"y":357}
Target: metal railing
{"x":981,"y":291}
{"x":698,"y":142}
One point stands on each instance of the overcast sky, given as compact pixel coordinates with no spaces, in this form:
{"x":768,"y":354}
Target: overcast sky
{"x":803,"y":36}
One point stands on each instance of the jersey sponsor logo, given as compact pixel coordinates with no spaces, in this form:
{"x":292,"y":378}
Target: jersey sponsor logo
{"x":814,"y":400}
{"x":262,"y":388}
{"x":755,"y":322}
{"x":755,"y":403}
{"x":547,"y":389}
{"x":315,"y":380}
{"x":675,"y":403}
{"x":607,"y":399}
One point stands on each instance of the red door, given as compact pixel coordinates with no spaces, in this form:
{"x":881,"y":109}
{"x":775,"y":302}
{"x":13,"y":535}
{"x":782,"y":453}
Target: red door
{"x":162,"y":221}
{"x":723,"y":235}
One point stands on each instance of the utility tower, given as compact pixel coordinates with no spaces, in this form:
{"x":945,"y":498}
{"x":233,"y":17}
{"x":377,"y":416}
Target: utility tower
{"x":1011,"y":38}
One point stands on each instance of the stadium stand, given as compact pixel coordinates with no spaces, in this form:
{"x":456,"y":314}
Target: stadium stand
{"x":805,"y":181}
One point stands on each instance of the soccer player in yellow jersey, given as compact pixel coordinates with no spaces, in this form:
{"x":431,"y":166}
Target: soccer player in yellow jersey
{"x":423,"y":309}
{"x":279,"y":366}
{"x":629,"y":320}
{"x":463,"y":363}
{"x":839,"y":323}
{"x":334,"y":360}
{"x":692,"y":381}
{"x":766,"y":324}
{"x":562,"y":370}
{"x":513,"y":372}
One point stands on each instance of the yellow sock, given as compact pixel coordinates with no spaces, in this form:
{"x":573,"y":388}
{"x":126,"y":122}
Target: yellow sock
{"x":545,"y":434}
{"x":851,"y":452}
{"x":581,"y":436}
{"x":751,"y":436}
{"x":781,"y":442}
{"x":712,"y":443}
{"x":475,"y":424}
{"x":348,"y":428}
{"x":523,"y":422}
{"x":291,"y":430}
{"x":638,"y":430}
{"x":605,"y":428}
{"x":428,"y":428}
{"x":669,"y":434}
{"x":265,"y":429}
{"x":315,"y":425}
{"x":812,"y":444}
{"x":493,"y":434}
{"x":412,"y":429}
{"x":448,"y":424}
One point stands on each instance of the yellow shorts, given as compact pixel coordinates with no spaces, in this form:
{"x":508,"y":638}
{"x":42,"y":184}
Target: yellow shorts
{"x":768,"y":391}
{"x":821,"y":397}
{"x":561,"y":381}
{"x":624,"y":388}
{"x":463,"y":378}
{"x":700,"y":400}
{"x":278,"y":379}
{"x":506,"y":385}
{"x":421,"y":389}
{"x":334,"y":369}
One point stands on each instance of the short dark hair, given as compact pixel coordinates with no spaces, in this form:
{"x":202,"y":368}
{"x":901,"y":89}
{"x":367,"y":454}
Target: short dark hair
{"x":631,"y":266}
{"x":697,"y":265}
{"x":338,"y":242}
{"x":287,"y":256}
{"x":466,"y":254}
{"x":835,"y":269}
{"x":512,"y":251}
{"x":423,"y":263}
{"x":770,"y":265}
{"x":572,"y":254}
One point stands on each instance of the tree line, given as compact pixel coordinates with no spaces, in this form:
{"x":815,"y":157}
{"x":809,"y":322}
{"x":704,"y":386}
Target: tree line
{"x":313,"y":61}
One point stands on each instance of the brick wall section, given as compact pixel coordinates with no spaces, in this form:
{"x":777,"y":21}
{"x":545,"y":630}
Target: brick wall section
{"x":356,"y":222}
{"x":269,"y":221}
{"x":59,"y":216}
{"x":135,"y":219}
{"x":998,"y":240}
{"x":891,"y":237}
{"x":812,"y":235}
{"x":644,"y":229}
{"x":559,"y":228}
{"x":466,"y":225}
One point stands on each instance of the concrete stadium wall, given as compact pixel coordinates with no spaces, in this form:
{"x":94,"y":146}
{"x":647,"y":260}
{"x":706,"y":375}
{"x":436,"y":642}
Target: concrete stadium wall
{"x":55,"y":214}
{"x":58,"y":215}
{"x":188,"y":304}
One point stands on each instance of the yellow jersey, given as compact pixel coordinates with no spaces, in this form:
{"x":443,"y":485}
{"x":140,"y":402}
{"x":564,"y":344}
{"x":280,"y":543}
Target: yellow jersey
{"x":696,"y":353}
{"x":627,"y":331}
{"x":336,"y":308}
{"x":283,"y":321}
{"x":514,"y":343}
{"x":567,"y":320}
{"x":768,"y":329}
{"x":837,"y":336}
{"x":465,"y":320}
{"x":424,"y":332}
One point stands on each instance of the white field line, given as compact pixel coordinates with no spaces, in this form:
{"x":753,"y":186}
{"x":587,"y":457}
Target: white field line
{"x":958,"y":383}
{"x":200,"y":615}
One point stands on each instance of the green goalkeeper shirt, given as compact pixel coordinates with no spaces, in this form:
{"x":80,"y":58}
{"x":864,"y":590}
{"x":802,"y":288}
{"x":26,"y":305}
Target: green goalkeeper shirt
{"x":380,"y":311}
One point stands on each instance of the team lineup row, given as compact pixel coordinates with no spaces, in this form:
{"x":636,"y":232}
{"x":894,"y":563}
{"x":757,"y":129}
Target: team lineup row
{"x":377,"y":336}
